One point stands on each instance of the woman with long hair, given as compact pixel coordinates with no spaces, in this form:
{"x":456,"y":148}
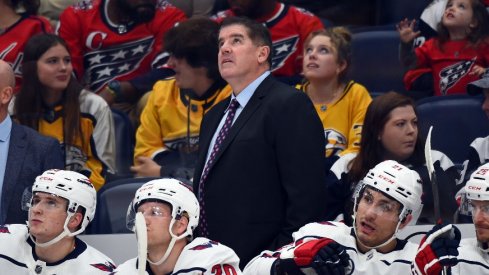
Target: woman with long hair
{"x":390,"y":132}
{"x":52,"y":102}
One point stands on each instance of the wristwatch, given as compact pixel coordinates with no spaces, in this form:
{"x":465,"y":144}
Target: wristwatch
{"x":114,"y":87}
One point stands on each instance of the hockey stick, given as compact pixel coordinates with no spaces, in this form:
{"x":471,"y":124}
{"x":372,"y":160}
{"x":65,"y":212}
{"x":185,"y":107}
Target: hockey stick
{"x":434,"y":184}
{"x":432,"y":175}
{"x":142,"y":238}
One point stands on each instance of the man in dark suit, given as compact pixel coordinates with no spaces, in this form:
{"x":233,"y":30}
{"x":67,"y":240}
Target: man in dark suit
{"x":265,"y":178}
{"x":24,"y":154}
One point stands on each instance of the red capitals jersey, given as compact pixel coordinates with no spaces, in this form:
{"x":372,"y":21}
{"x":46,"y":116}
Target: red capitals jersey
{"x":14,"y":38}
{"x":289,"y":27}
{"x":451,"y":66}
{"x":102,"y":50}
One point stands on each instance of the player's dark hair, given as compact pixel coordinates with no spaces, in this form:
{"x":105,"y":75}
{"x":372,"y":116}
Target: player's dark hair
{"x":478,"y":33}
{"x":195,"y":40}
{"x":257,"y":32}
{"x":341,"y":40}
{"x":372,"y":151}
{"x":30,"y":7}
{"x":29,"y":103}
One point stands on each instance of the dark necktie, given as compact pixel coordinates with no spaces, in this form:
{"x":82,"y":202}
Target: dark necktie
{"x":233,"y":106}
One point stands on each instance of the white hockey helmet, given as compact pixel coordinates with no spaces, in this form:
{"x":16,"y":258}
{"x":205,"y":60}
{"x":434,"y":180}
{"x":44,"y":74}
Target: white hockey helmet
{"x":477,"y":187}
{"x":171,"y":191}
{"x":72,"y":186}
{"x":398,"y":182}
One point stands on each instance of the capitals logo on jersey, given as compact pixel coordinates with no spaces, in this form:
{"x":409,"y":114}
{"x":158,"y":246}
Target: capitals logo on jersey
{"x":107,"y":266}
{"x":109,"y":63}
{"x":450,"y":75}
{"x":204,"y":245}
{"x":4,"y":229}
{"x":282,"y":49}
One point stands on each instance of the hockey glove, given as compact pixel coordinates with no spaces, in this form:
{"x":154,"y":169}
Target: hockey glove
{"x":323,"y":256}
{"x":437,"y":249}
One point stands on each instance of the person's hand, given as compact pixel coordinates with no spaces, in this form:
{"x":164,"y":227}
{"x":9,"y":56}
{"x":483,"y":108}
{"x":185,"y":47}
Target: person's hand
{"x":437,"y":249}
{"x":323,"y":256}
{"x":146,"y":167}
{"x":406,"y":30}
{"x":478,"y":70}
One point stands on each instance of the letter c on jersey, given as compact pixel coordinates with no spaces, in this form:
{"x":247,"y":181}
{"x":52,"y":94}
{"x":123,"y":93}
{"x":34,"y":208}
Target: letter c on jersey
{"x":97,"y":38}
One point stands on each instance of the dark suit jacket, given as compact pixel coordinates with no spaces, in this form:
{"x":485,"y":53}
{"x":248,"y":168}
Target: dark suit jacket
{"x":268,"y":178}
{"x":29,"y":155}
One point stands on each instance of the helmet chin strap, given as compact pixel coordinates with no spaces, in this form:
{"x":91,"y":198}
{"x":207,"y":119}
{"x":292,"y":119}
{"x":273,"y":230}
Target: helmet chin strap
{"x":66,"y":232}
{"x":174,"y":238}
{"x":484,"y":247}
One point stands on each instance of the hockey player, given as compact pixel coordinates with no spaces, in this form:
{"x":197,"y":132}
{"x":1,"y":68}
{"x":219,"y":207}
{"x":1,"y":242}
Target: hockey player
{"x":468,"y":256}
{"x":171,"y":212}
{"x":61,"y":205}
{"x":388,"y":199}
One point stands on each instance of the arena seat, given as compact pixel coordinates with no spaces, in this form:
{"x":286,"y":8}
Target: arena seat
{"x":124,"y":142}
{"x":112,"y":202}
{"x":457,"y":120}
{"x":375,"y":61}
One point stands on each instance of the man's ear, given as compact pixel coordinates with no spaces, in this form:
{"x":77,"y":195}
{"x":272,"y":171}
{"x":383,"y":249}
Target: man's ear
{"x":180,"y":226}
{"x":406,"y":221}
{"x":263,"y":54}
{"x":75,"y":221}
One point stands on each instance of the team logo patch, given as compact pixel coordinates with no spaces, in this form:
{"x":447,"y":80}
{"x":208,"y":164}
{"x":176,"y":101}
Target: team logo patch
{"x":282,"y":49}
{"x":107,"y":266}
{"x":4,"y":229}
{"x":450,"y":75}
{"x":205,"y":245}
{"x":107,"y":64}
{"x":335,"y":142}
{"x":83,"y":5}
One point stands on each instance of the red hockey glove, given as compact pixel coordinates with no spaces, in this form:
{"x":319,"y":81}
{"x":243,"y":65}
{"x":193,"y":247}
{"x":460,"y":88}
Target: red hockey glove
{"x":437,"y":249}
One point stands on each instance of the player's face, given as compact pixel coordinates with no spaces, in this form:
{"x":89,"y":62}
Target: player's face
{"x":54,"y":69}
{"x":458,"y":14}
{"x":186,"y":76}
{"x":400,"y":133}
{"x":47,"y":216}
{"x":485,"y":104}
{"x":377,"y":217}
{"x":480,"y":216}
{"x":321,"y":59}
{"x":158,"y":217}
{"x":238,"y":57}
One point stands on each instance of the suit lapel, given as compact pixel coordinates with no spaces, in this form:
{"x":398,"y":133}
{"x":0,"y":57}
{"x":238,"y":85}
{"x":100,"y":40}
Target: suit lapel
{"x":245,"y":115}
{"x":16,"y":153}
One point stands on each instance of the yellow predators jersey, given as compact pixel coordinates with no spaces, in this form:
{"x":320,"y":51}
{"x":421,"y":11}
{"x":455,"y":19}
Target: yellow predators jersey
{"x":343,"y":119}
{"x":97,"y":156}
{"x":166,"y":123}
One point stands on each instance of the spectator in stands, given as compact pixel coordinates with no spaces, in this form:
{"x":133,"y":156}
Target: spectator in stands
{"x":289,"y":27}
{"x":167,"y":139}
{"x":194,"y":7}
{"x":52,"y":102}
{"x":390,"y":131}
{"x":60,"y":204}
{"x":340,"y":104}
{"x":24,"y":154}
{"x":18,"y":23}
{"x":112,"y":41}
{"x":457,"y":56}
{"x":171,"y":214}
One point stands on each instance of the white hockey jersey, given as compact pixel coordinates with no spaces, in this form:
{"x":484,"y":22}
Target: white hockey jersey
{"x":201,"y":256}
{"x":17,"y":256}
{"x":375,"y":263}
{"x":471,"y":260}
